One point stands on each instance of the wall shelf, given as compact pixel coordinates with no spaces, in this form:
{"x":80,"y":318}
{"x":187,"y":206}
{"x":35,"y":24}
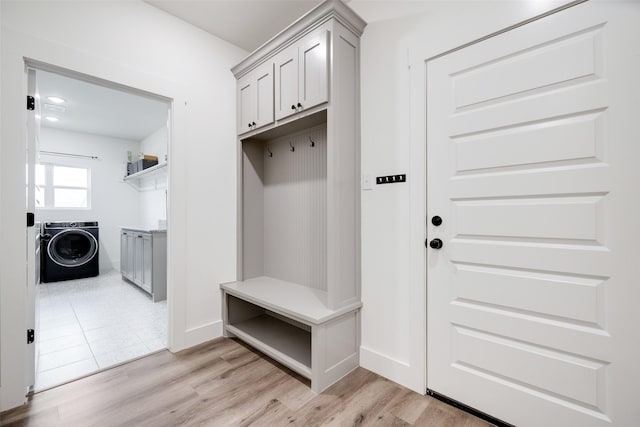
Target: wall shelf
{"x":152,"y":172}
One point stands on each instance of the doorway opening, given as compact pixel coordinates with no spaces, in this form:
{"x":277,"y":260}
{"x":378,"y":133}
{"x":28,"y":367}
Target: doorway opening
{"x":100,"y":190}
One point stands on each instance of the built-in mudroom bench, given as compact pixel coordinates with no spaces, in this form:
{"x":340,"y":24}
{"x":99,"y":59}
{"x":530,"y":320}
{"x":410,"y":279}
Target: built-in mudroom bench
{"x":297,"y":298}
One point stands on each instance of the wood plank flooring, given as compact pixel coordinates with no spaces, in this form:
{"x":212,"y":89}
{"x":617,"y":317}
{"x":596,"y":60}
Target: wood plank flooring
{"x":225,"y":383}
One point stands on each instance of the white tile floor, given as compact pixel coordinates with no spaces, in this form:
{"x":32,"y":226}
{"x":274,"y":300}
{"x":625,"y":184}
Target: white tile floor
{"x":90,"y":324}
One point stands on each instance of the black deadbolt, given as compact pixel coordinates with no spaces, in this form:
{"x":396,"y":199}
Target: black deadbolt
{"x":435,"y":244}
{"x":436,"y":220}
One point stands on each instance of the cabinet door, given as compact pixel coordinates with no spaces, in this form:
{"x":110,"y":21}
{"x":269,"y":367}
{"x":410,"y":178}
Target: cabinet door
{"x":147,"y":263}
{"x":131,"y":254}
{"x":247,"y":103}
{"x":314,"y":69}
{"x":123,"y":253}
{"x":286,"y":85}
{"x":263,"y":78}
{"x":137,"y":262}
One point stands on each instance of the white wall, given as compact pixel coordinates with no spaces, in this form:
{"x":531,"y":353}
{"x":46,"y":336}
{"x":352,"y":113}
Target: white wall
{"x":393,"y":141}
{"x":153,"y":195}
{"x":113,"y":202}
{"x":135,"y":45}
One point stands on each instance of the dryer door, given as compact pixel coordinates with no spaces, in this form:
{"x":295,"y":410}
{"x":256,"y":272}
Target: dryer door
{"x":72,"y":248}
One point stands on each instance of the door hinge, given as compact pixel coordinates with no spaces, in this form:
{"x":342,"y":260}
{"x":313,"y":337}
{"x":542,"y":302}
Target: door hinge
{"x":31,"y":103}
{"x":31,"y":219}
{"x":31,"y":336}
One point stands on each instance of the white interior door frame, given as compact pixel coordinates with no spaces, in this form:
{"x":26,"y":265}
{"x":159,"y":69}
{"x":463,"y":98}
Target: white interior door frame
{"x":52,"y":54}
{"x":31,"y":67}
{"x":32,"y":144}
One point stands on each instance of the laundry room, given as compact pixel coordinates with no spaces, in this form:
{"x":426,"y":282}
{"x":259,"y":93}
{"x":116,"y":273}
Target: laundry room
{"x":100,"y":177}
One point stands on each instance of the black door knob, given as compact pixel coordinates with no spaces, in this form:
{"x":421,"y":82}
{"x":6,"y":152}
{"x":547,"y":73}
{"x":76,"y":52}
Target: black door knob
{"x":436,"y":220}
{"x":299,"y":105}
{"x":253,"y":124}
{"x":435,"y":244}
{"x":293,"y":107}
{"x":249,"y":125}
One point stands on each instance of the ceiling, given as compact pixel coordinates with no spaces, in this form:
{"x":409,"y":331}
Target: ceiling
{"x":99,"y":110}
{"x":244,"y":23}
{"x":250,"y":23}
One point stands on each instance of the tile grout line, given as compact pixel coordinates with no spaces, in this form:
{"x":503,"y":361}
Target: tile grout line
{"x":108,"y":289}
{"x":83,"y":334}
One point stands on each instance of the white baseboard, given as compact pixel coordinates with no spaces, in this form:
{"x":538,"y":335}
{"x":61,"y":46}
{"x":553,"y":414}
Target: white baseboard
{"x":203,"y":333}
{"x":396,"y":370}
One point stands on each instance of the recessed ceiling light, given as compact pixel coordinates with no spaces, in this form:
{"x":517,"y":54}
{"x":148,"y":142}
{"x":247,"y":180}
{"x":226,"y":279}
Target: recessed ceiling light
{"x":52,"y":119}
{"x":55,"y":99}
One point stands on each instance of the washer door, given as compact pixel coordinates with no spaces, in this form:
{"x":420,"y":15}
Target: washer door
{"x":72,"y":248}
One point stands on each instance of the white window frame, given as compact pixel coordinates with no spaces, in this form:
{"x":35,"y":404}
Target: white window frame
{"x":49,"y":188}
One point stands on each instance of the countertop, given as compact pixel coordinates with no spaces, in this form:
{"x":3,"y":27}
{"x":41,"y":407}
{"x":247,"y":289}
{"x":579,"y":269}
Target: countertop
{"x":144,"y":229}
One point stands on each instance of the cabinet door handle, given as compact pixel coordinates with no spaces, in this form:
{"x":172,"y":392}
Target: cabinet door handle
{"x":253,"y":124}
{"x":299,"y":105}
{"x":249,"y":125}
{"x":139,"y":236}
{"x":293,"y":107}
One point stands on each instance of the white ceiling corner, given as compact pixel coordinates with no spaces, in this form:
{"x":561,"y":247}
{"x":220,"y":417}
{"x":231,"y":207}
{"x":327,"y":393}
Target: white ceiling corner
{"x":99,"y":110}
{"x":250,"y":23}
{"x":244,"y":23}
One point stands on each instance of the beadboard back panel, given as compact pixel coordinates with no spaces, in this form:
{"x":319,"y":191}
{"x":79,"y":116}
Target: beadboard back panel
{"x":285,"y":208}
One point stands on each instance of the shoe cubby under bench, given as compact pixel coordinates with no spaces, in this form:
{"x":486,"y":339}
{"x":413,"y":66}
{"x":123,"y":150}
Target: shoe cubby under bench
{"x":293,"y":325}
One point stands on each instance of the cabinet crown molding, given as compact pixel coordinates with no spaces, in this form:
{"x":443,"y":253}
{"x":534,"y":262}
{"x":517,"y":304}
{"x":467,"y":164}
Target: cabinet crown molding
{"x":329,"y":9}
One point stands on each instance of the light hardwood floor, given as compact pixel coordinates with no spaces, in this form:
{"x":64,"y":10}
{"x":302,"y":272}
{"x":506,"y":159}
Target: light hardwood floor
{"x":224,"y":383}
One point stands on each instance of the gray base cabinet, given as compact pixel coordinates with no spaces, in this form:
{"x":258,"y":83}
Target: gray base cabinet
{"x":143,"y":260}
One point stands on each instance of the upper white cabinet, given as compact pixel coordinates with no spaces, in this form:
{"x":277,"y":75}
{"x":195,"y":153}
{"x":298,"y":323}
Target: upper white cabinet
{"x":255,"y":99}
{"x":302,"y":73}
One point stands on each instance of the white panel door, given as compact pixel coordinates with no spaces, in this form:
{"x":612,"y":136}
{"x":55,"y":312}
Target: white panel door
{"x":33,"y":136}
{"x":286,"y":82}
{"x":533,"y":151}
{"x":314,"y":69}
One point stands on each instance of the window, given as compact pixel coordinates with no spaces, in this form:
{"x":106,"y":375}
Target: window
{"x":60,"y":186}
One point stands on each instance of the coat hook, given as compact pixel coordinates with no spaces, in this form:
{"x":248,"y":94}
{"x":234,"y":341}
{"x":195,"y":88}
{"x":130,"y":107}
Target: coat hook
{"x":269,"y":151}
{"x":292,"y":147}
{"x":313,"y":143}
